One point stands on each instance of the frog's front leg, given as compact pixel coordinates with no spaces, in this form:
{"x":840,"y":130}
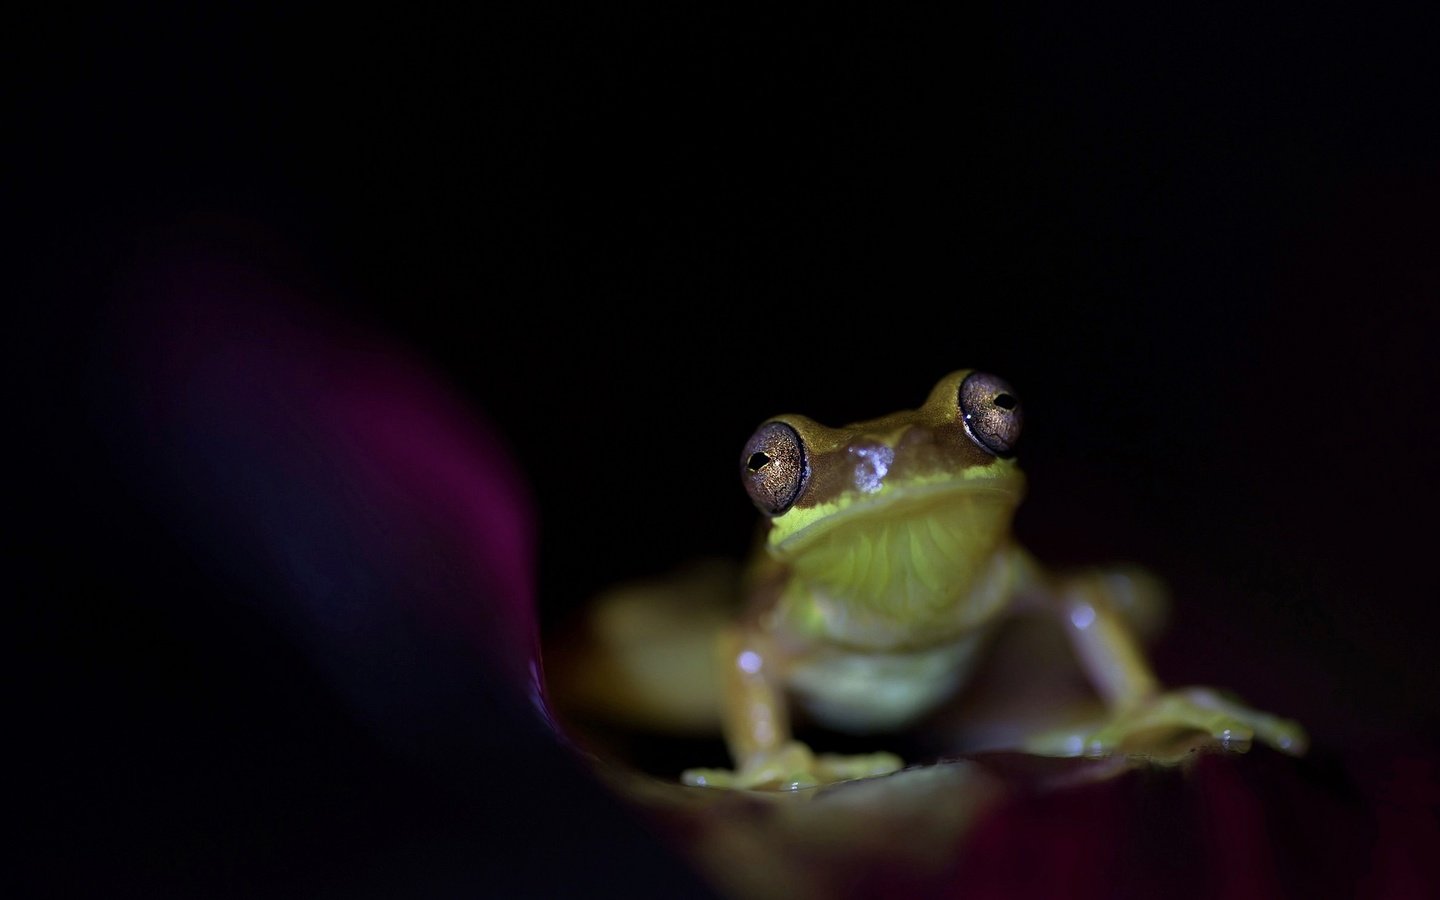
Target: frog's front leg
{"x":757,"y":727}
{"x":1092,"y":608}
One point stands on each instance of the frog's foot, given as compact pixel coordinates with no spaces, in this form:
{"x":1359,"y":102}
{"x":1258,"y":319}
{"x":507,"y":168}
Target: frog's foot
{"x":1149,"y":728}
{"x":793,"y":766}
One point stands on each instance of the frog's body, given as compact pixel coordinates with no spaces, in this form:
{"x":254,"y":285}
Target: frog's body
{"x":886,"y":565}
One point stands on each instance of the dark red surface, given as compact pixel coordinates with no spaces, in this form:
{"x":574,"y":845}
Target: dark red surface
{"x":1253,"y":826}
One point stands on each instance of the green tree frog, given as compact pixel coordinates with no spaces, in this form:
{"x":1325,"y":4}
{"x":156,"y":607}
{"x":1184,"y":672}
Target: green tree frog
{"x":887,"y":562}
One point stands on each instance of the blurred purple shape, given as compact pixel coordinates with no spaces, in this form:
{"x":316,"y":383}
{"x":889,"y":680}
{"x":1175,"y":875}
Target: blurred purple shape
{"x":291,"y":482}
{"x":378,"y":518}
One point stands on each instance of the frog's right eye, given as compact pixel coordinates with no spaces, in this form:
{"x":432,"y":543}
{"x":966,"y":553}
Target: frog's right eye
{"x":774,"y":467}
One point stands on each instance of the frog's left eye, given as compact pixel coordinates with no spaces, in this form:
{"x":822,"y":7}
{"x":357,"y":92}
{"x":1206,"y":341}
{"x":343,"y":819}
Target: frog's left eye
{"x":991,"y":412}
{"x":774,"y":467}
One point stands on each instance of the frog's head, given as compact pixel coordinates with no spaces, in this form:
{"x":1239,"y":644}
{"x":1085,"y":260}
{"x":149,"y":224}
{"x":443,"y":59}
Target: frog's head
{"x":912,"y":501}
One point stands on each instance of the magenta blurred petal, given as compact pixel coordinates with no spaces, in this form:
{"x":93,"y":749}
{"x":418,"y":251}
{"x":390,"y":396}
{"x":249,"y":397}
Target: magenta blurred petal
{"x":379,"y":515}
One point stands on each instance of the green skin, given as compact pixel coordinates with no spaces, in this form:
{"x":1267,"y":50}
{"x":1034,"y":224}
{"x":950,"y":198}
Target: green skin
{"x":875,"y":588}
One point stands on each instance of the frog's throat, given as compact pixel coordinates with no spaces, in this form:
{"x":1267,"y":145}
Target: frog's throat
{"x":793,"y":534}
{"x":922,"y":566}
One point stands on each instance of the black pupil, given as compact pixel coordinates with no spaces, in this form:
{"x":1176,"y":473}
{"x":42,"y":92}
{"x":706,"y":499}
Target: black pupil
{"x":757,"y":461}
{"x":1005,"y":401}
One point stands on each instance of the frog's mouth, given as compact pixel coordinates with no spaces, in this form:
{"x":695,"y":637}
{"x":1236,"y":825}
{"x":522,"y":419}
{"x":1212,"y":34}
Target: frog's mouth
{"x":975,"y":510}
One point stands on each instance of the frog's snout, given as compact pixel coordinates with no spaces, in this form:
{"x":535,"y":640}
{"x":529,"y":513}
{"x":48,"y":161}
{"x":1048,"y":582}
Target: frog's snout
{"x":872,"y":461}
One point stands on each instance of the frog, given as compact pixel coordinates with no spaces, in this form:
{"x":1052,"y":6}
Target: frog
{"x":885,"y":565}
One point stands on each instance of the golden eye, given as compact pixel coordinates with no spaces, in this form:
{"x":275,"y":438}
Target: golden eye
{"x":991,"y":412}
{"x":774,"y":467}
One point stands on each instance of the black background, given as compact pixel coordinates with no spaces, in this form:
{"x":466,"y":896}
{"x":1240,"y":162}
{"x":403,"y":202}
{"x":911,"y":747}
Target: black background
{"x":1203,"y":245}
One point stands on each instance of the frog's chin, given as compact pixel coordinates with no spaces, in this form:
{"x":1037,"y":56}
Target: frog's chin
{"x":975,"y":509}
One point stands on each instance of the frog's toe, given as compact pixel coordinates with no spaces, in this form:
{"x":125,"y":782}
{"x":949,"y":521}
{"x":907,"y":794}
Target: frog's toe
{"x":1198,"y":710}
{"x":1285,"y":735}
{"x":1058,"y":742}
{"x":789,"y":767}
{"x":792,"y":767}
{"x":770,"y":778}
{"x":835,"y":767}
{"x":717,"y":778}
{"x":1152,"y":728}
